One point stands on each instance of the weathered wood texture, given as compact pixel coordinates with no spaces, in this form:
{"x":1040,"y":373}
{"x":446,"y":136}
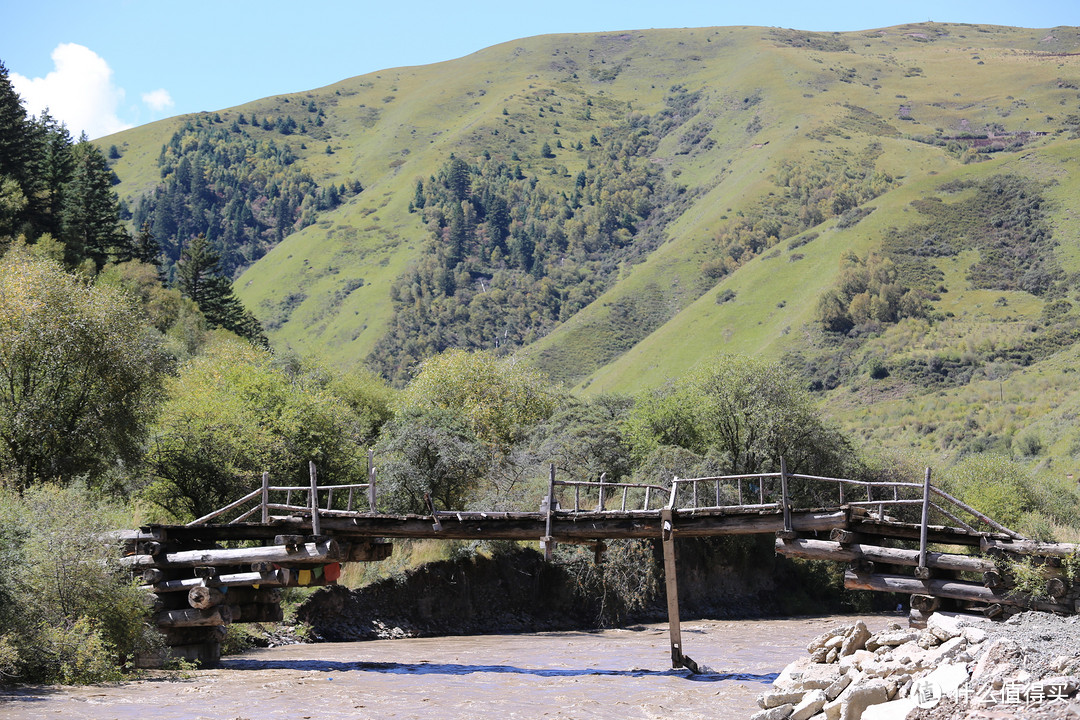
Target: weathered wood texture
{"x":321,"y":552}
{"x":955,"y":589}
{"x":827,"y":550}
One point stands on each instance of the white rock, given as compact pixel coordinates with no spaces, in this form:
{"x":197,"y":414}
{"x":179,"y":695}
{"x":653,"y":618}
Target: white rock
{"x":856,"y":659}
{"x":974,"y":635}
{"x":819,"y":676}
{"x":894,"y":710}
{"x":949,"y":677}
{"x":831,"y":710}
{"x":776,"y":713}
{"x":856,"y":639}
{"x":809,"y":706}
{"x":834,"y":690}
{"x":792,"y":674}
{"x":944,"y":627}
{"x":772,"y":699}
{"x":892,"y":638}
{"x":857,"y":698}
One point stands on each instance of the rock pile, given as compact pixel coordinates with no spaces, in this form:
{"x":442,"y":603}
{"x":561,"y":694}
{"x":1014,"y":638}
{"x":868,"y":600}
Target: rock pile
{"x":955,"y":662}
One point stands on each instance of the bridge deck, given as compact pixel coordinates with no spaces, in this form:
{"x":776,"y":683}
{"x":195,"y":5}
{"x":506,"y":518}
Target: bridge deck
{"x":304,"y":544}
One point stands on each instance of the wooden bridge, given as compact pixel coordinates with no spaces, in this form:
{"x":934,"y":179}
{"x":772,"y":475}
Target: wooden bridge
{"x":212,"y":572}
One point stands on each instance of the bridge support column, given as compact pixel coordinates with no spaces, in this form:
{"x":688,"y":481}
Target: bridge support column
{"x":678,"y":659}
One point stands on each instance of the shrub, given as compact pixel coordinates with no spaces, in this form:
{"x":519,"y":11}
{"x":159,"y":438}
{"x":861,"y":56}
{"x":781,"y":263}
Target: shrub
{"x":67,"y":614}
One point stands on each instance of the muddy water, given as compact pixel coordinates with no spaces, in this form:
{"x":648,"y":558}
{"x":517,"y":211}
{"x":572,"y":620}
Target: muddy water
{"x":612,"y":674}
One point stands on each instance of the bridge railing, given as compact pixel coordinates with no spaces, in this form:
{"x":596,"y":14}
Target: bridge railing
{"x":312,"y":496}
{"x":784,"y":491}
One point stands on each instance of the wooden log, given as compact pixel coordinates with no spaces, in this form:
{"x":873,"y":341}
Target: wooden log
{"x":1029,"y":547}
{"x":370,"y":551}
{"x":842,"y":536}
{"x":152,"y":575}
{"x":289,"y":540}
{"x":271,"y":578}
{"x":257,"y":612}
{"x":205,"y":572}
{"x":203,"y":597}
{"x":956,"y":589}
{"x":326,"y":551}
{"x":992,"y":579}
{"x":828,"y":550}
{"x":193,"y":635}
{"x":260,"y":596}
{"x":925,"y":603}
{"x":1055,"y":587}
{"x":194,"y":617}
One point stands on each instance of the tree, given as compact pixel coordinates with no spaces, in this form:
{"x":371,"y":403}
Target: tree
{"x":429,"y":452}
{"x":744,"y":414}
{"x":197,"y":277}
{"x":232,"y":413}
{"x":78,"y":373}
{"x":92,"y":211}
{"x":499,"y":400}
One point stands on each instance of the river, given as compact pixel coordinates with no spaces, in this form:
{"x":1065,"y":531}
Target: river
{"x":622,"y":673}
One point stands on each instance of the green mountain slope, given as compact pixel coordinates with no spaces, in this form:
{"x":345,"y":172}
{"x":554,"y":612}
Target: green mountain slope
{"x":787,"y":150}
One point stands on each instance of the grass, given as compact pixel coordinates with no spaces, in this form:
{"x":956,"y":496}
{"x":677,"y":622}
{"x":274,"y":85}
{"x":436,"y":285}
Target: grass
{"x":765,"y":101}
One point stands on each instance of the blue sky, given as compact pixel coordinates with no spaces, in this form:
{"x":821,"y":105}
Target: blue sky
{"x":105,"y":65}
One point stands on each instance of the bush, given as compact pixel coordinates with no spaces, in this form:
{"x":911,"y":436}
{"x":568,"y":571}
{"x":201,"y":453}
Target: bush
{"x":67,"y":613}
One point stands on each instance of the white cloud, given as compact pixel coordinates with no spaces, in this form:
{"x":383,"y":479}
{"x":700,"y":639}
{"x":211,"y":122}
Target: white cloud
{"x":79,"y":93}
{"x":158,"y":100}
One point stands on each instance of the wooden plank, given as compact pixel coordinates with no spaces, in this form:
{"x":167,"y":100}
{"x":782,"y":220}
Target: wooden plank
{"x":828,"y":550}
{"x":1029,"y":547}
{"x":193,"y":617}
{"x":325,"y":551}
{"x":956,"y":589}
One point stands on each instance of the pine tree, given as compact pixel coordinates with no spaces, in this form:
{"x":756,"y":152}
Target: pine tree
{"x":197,"y":275}
{"x":93,"y":211}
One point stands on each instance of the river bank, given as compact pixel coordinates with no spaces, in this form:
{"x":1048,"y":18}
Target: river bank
{"x":623,"y":673}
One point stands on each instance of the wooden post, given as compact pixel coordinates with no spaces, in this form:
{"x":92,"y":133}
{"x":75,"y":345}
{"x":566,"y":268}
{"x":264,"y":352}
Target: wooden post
{"x":761,"y":490}
{"x":784,"y":494}
{"x":371,"y":478}
{"x":315,"y":529}
{"x":671,"y":585}
{"x":923,"y":527}
{"x":600,"y":507}
{"x":548,"y":543}
{"x":265,"y":498}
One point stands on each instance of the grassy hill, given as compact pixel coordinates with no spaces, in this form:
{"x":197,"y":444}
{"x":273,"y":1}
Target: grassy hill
{"x":784,"y":124}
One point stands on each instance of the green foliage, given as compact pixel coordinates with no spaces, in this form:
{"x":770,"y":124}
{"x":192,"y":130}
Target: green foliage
{"x":500,"y":400}
{"x":78,"y":373}
{"x":429,"y":452}
{"x":867,"y":295}
{"x":995,"y":485}
{"x":743,"y":413}
{"x":68,"y":614}
{"x":197,"y":275}
{"x":231,"y":414}
{"x":509,"y":257}
{"x":234,"y":185}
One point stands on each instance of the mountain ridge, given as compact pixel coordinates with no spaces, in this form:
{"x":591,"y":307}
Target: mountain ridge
{"x":789,"y":149}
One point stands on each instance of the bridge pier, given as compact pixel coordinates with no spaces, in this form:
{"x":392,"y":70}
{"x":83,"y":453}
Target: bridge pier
{"x":671,"y":587}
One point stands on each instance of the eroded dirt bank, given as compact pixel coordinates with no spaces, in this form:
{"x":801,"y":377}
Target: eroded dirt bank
{"x":519,"y":592}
